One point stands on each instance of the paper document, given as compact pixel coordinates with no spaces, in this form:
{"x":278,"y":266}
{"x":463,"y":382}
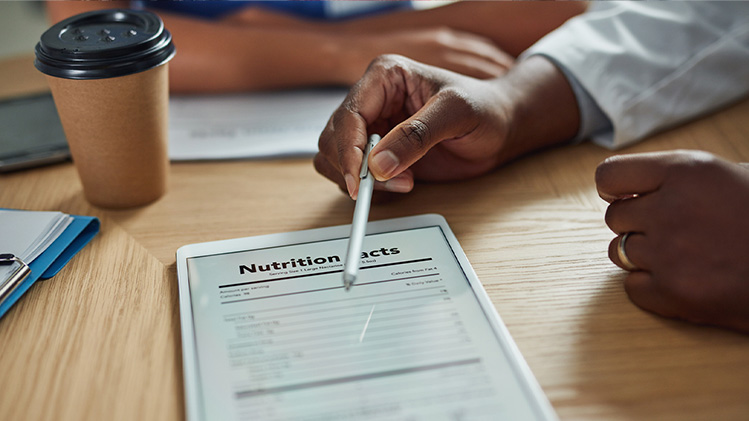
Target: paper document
{"x":256,"y":125}
{"x":278,"y":338}
{"x":27,"y":234}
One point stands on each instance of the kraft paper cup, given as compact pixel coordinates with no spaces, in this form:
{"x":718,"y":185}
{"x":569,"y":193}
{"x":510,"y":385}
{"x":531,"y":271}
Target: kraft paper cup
{"x":108,"y":74}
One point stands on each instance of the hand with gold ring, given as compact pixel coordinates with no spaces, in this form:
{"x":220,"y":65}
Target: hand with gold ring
{"x":682,"y":225}
{"x":621,"y":253}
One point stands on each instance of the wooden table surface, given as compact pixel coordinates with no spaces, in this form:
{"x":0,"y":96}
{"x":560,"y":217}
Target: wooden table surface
{"x":101,"y":340}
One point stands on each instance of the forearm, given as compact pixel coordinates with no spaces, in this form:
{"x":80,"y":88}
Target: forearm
{"x":543,"y":110}
{"x":623,"y":57}
{"x":219,"y":57}
{"x":513,"y":26}
{"x":59,"y":10}
{"x":212,"y":57}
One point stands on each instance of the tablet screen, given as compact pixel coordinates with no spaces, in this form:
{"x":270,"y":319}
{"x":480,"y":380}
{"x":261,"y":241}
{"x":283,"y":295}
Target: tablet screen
{"x":277,"y":337}
{"x":31,"y":133}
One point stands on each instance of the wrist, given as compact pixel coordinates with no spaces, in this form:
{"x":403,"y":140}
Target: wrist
{"x":541,"y":109}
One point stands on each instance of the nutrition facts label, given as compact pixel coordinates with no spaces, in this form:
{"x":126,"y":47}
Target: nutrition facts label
{"x":279,"y":338}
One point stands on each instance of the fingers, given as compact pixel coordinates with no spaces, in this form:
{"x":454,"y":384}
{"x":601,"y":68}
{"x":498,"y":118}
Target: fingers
{"x":677,"y":265}
{"x":446,"y":115}
{"x":485,"y":50}
{"x":644,"y":291}
{"x":473,"y":66}
{"x":417,"y":106}
{"x":623,"y":176}
{"x":477,"y":57}
{"x":341,"y":146}
{"x":634,"y":214}
{"x":344,"y":138}
{"x":403,"y":183}
{"x":462,"y":52}
{"x":490,"y":52}
{"x":636,"y":249}
{"x":637,"y":174}
{"x":325,"y":168}
{"x":640,"y":285}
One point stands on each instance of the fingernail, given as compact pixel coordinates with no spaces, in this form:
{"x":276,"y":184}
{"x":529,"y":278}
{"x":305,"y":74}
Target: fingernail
{"x":385,"y":163}
{"x":399,"y":185}
{"x":350,"y":184}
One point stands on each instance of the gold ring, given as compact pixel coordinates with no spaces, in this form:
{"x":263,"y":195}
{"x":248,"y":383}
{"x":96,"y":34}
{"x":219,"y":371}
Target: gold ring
{"x":628,"y":265}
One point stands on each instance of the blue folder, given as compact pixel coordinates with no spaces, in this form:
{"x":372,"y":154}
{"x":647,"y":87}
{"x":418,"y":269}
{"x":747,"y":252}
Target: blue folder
{"x":57,"y":255}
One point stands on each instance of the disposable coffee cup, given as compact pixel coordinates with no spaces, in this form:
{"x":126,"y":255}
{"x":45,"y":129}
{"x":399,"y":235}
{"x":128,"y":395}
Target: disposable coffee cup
{"x":108,"y":74}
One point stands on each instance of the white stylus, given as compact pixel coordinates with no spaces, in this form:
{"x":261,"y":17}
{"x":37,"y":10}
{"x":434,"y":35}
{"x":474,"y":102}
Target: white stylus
{"x":361,"y":214}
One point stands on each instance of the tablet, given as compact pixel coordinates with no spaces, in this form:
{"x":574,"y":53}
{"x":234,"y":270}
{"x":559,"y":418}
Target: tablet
{"x":270,"y":333}
{"x":31,"y":134}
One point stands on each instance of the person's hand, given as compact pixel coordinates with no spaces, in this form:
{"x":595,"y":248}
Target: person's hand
{"x":439,"y":125}
{"x":461,"y":52}
{"x":446,"y":127}
{"x":687,"y":213}
{"x":258,"y":16}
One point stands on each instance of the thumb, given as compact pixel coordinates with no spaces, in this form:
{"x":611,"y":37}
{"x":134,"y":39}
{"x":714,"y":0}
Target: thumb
{"x":446,"y":115}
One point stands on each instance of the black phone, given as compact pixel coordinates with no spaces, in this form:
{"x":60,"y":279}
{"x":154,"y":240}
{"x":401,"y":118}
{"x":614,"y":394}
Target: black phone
{"x":30,"y":133}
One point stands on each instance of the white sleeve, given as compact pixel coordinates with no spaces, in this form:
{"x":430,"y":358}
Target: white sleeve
{"x":653,"y":65}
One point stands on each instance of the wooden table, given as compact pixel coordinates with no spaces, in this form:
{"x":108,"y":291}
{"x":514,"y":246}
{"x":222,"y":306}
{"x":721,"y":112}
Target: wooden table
{"x":101,"y":339}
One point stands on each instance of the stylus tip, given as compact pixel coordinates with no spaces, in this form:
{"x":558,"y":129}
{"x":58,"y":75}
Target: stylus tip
{"x":348,"y":280}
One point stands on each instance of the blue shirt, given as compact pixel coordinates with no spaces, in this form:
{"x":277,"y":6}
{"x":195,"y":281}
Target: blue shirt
{"x":321,"y":10}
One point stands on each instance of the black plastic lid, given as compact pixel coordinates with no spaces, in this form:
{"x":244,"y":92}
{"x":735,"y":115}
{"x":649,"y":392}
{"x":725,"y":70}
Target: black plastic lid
{"x":104,"y":44}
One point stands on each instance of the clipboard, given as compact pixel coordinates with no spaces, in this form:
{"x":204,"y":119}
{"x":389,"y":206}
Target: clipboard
{"x":79,"y":233}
